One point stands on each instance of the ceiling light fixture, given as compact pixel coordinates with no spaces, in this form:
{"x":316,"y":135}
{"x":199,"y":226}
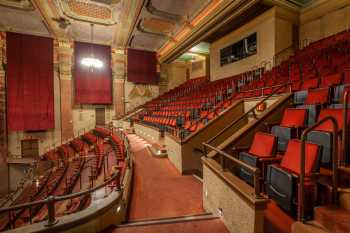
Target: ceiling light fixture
{"x":91,"y":61}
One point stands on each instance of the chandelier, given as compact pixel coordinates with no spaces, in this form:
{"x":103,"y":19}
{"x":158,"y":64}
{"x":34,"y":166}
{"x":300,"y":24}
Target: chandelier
{"x":91,"y":61}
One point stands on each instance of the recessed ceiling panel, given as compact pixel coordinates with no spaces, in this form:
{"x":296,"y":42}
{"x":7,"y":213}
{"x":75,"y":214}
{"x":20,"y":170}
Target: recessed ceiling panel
{"x":28,"y":22}
{"x":180,"y":7}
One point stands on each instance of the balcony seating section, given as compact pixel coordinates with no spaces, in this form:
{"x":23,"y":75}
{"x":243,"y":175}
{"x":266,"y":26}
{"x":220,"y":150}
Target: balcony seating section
{"x":317,"y":72}
{"x":63,"y":178}
{"x":78,"y":145}
{"x":90,"y":138}
{"x":318,"y":93}
{"x":101,"y":132}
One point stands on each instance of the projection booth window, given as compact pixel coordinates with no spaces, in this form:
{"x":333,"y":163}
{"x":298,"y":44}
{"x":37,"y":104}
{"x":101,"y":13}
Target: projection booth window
{"x":239,"y":50}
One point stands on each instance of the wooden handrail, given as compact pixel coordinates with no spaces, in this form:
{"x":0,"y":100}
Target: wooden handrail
{"x":301,"y":212}
{"x":244,"y":115}
{"x":256,"y":171}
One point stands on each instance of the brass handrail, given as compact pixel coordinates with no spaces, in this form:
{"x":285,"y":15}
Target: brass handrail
{"x":256,"y":171}
{"x":263,"y":88}
{"x":245,"y":114}
{"x":301,"y":212}
{"x":345,"y":128}
{"x":50,"y":201}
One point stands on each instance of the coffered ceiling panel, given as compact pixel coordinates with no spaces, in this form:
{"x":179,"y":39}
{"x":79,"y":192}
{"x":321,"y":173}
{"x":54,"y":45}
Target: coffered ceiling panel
{"x":159,"y":20}
{"x":183,"y":8}
{"x":24,"y":21}
{"x":146,"y":41}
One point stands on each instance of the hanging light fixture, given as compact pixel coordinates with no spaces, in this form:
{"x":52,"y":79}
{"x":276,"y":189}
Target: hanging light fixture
{"x":91,"y":61}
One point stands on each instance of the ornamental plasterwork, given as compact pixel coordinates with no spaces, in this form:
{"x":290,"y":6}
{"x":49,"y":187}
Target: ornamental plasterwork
{"x":18,"y":4}
{"x":87,"y":11}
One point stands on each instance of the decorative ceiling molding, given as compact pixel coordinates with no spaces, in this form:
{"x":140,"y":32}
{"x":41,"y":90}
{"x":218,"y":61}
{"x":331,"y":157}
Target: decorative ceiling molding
{"x":142,"y":29}
{"x":158,"y":25}
{"x":163,"y":14}
{"x":85,"y":11}
{"x":25,"y":5}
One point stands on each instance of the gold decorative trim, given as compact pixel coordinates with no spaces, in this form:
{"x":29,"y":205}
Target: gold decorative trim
{"x":25,"y":5}
{"x":70,"y":13}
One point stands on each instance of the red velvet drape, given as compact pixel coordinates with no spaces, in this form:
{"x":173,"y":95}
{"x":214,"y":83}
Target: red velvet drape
{"x":30,"y":87}
{"x":92,"y":86}
{"x":142,"y":67}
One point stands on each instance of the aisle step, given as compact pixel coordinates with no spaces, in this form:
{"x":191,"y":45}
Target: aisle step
{"x":178,"y":219}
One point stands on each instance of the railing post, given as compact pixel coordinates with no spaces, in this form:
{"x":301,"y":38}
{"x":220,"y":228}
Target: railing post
{"x":301,"y":193}
{"x":51,"y":211}
{"x":222,"y":162}
{"x":345,"y":128}
{"x":257,"y":183}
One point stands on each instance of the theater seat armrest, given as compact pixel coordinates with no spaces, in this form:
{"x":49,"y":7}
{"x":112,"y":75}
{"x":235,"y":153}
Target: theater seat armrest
{"x":274,"y":159}
{"x":239,"y":148}
{"x":268,"y":125}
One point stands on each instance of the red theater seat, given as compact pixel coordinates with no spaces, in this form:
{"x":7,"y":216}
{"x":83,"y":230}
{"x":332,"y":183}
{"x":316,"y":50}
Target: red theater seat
{"x":317,"y":96}
{"x":331,"y":80}
{"x":309,"y":84}
{"x":263,"y":146}
{"x":282,"y":180}
{"x":293,"y":121}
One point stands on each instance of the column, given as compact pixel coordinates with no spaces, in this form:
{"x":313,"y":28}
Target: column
{"x":3,"y":123}
{"x":65,"y":53}
{"x":118,"y":70}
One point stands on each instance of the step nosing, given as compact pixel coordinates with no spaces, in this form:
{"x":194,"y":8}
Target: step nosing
{"x":166,"y":218}
{"x":169,"y":220}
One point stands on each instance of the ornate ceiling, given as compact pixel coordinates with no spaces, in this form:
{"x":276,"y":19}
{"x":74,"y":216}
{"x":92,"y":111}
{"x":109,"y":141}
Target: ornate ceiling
{"x":156,"y":25}
{"x":160,"y":20}
{"x":142,"y":24}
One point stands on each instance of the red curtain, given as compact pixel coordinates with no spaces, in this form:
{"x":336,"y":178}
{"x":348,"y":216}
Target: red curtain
{"x":30,"y":87}
{"x":142,"y":67}
{"x":92,"y":86}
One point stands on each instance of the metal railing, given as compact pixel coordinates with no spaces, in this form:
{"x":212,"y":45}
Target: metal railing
{"x":255,"y":171}
{"x":345,"y":128}
{"x":250,"y":111}
{"x":51,"y":200}
{"x":301,"y":204}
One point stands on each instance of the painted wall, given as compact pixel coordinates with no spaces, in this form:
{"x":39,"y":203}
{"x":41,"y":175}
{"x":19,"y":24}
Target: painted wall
{"x":323,"y":19}
{"x":136,"y":94}
{"x":199,"y":69}
{"x":264,"y":26}
{"x":274,"y":30}
{"x":177,"y":73}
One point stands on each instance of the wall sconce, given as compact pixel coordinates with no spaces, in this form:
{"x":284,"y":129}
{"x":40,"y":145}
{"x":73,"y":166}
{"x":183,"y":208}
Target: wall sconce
{"x":261,"y":107}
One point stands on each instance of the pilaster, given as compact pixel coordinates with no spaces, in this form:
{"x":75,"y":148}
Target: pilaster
{"x":118,"y":70}
{"x":63,"y":65}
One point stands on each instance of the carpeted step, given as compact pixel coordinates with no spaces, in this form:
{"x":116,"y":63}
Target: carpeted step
{"x":201,"y":226}
{"x":344,"y":198}
{"x":276,"y":220}
{"x":309,"y":227}
{"x":333,"y":218}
